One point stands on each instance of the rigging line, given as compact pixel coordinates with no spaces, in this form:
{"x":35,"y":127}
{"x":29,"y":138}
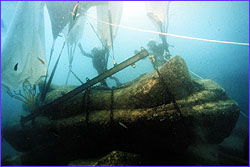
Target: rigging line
{"x":244,"y":115}
{"x":96,"y":33}
{"x":52,"y":75}
{"x":111,"y":36}
{"x":167,"y":24}
{"x":51,"y":53}
{"x":70,"y":62}
{"x":168,"y":34}
{"x":71,"y":57}
{"x":195,"y":74}
{"x":66,"y":83}
{"x":74,"y":74}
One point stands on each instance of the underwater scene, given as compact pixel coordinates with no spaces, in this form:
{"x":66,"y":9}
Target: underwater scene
{"x":118,"y":83}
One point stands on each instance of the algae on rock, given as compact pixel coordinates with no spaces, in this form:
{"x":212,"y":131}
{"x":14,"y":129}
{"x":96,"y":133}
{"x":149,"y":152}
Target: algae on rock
{"x":141,"y":120}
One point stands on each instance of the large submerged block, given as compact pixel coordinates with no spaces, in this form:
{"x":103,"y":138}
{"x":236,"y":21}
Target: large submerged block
{"x":142,"y":119}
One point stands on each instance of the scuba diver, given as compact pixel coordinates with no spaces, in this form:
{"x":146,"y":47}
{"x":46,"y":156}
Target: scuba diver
{"x":157,"y":13}
{"x":111,"y":13}
{"x":160,"y":53}
{"x":100,"y":61}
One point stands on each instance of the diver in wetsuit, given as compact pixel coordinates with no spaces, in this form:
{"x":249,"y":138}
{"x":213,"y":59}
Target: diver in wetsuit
{"x":100,"y":61}
{"x":161,"y":51}
{"x":158,"y":52}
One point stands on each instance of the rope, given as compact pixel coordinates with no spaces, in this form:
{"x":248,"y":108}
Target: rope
{"x":47,"y":72}
{"x":244,"y":115}
{"x":66,"y":83}
{"x":96,"y":33}
{"x":196,"y":74}
{"x":168,"y":34}
{"x":111,"y":37}
{"x":74,"y":74}
{"x":43,"y":96}
{"x":112,"y":107}
{"x":71,"y":57}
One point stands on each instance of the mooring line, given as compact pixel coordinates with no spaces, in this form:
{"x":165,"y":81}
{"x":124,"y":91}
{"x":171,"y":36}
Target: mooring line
{"x":168,"y":34}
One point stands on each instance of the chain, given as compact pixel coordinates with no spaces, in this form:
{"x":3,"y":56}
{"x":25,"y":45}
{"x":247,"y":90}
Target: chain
{"x":86,"y":102}
{"x":111,"y":107}
{"x":184,"y":124}
{"x":165,"y":86}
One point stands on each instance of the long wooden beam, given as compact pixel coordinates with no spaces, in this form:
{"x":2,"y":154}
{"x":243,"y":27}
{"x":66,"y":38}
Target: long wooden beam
{"x":86,"y":85}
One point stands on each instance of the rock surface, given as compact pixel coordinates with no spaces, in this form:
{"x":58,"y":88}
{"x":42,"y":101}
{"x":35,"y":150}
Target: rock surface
{"x":115,"y":158}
